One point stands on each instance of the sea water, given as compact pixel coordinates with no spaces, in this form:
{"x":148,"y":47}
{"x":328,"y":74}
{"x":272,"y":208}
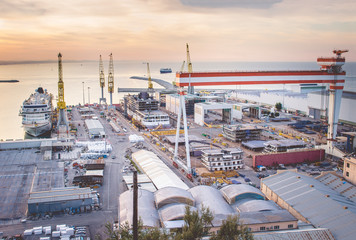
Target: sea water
{"x":45,"y":75}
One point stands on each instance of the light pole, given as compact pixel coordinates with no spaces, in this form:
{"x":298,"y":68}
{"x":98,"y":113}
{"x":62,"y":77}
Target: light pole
{"x":89,"y":95}
{"x":83,"y":95}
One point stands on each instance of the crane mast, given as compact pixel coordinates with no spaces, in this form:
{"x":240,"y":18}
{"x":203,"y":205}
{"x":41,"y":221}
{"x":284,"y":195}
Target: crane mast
{"x":61,"y":105}
{"x":190,"y":70}
{"x":111,"y":78}
{"x":150,"y":85}
{"x":102,"y":80}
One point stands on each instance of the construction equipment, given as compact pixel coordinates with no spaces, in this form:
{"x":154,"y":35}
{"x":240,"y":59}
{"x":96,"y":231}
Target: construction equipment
{"x":61,"y":105}
{"x":190,"y":70}
{"x":150,"y":85}
{"x":181,"y":70}
{"x":102,"y":80}
{"x":111,"y":78}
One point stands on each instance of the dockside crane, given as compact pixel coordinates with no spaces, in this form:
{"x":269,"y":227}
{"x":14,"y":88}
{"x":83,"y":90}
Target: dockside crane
{"x":102,"y":80}
{"x":111,"y":78}
{"x":61,"y":105}
{"x":150,"y":85}
{"x":190,"y":70}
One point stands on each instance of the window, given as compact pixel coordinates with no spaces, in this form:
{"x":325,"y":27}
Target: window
{"x":262,"y":228}
{"x":348,"y":165}
{"x":347,"y":174}
{"x":276,"y":227}
{"x":290,"y":225}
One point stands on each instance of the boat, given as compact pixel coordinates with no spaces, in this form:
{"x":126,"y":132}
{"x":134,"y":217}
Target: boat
{"x":36,"y":112}
{"x":165,"y":70}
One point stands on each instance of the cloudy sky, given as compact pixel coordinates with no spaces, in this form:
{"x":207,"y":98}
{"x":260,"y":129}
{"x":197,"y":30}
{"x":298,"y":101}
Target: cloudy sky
{"x":157,"y":30}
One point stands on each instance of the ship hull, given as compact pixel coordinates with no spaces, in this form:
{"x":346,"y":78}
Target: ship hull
{"x":36,"y":131}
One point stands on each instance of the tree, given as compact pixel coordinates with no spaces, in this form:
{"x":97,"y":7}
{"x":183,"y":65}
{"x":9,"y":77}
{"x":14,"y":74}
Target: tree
{"x":125,"y":233}
{"x":232,"y":229}
{"x":278,"y":106}
{"x":195,"y":225}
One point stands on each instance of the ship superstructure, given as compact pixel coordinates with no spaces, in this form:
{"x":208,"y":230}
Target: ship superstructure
{"x":36,"y":113}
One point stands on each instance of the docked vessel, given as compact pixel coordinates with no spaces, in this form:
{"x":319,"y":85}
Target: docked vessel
{"x":165,"y":70}
{"x":36,"y":113}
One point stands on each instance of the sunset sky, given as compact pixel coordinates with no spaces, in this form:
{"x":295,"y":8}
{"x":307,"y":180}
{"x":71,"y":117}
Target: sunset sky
{"x":157,"y":30}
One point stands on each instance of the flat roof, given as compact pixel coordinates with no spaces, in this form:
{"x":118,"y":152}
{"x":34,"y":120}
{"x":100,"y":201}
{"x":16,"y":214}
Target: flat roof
{"x":60,"y":194}
{"x":254,"y":144}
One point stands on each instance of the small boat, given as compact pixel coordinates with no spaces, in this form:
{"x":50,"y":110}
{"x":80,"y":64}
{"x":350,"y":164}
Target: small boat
{"x":165,"y":70}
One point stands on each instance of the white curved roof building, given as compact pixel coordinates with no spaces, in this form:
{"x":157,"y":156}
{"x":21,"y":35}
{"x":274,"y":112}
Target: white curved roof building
{"x":146,"y":208}
{"x":173,"y":212}
{"x":236,"y":192}
{"x":169,"y":195}
{"x":160,"y":174}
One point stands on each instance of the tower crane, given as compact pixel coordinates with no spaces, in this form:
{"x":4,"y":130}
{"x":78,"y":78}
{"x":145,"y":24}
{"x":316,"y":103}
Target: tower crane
{"x":339,"y":52}
{"x":61,"y":105}
{"x":102,"y":80}
{"x":182,"y":67}
{"x":111,"y":78}
{"x":150,"y":85}
{"x":190,"y":70}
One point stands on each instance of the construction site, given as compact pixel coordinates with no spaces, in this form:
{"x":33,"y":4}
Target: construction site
{"x":184,"y":142}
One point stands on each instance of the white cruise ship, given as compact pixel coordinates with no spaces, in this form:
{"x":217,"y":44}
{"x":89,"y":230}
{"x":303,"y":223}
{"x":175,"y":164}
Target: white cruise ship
{"x":36,"y":113}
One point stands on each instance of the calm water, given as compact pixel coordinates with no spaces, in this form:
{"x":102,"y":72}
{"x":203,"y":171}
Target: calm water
{"x":31,"y":76}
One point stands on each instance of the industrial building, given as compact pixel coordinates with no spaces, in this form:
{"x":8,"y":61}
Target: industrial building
{"x":166,"y":207}
{"x":144,"y":110}
{"x":172,"y":103}
{"x":349,"y":171}
{"x":283,"y":145}
{"x":95,"y":128}
{"x":222,"y":159}
{"x":62,"y":199}
{"x":228,"y":112}
{"x":238,"y":133}
{"x":314,"y":201}
{"x":159,"y":173}
{"x":288,"y":158}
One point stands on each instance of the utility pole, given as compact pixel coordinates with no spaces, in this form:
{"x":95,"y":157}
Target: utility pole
{"x":135,"y":207}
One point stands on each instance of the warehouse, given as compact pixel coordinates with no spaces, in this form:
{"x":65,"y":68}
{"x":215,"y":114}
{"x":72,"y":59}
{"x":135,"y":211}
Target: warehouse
{"x":62,"y":199}
{"x":314,"y":201}
{"x":166,"y":207}
{"x":95,"y":128}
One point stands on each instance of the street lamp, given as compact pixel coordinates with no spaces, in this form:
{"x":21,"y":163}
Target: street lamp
{"x":83,"y":95}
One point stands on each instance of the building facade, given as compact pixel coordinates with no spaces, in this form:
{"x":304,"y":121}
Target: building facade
{"x":227,"y":159}
{"x":350,"y":170}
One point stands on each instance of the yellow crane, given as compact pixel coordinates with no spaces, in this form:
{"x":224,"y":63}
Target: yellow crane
{"x":102,"y":79}
{"x":150,"y":85}
{"x":190,"y":70}
{"x":111,"y":78}
{"x":61,"y":104}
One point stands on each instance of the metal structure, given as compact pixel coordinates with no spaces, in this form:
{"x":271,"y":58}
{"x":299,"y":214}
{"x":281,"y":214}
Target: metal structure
{"x":102,"y":80}
{"x":61,"y":105}
{"x":150,"y":85}
{"x":330,"y":73}
{"x":111,"y":78}
{"x":190,"y":70}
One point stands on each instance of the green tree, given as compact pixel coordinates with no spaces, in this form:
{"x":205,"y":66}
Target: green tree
{"x":232,"y":229}
{"x":195,"y":225}
{"x":125,"y":233}
{"x":278,"y":106}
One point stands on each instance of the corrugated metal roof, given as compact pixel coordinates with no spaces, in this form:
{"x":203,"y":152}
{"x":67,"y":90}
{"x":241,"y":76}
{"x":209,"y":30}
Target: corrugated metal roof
{"x":93,"y":124}
{"x":318,"y":203}
{"x":308,"y":234}
{"x":340,"y":185}
{"x":160,"y":174}
{"x":173,"y":212}
{"x":60,"y":194}
{"x":275,"y":216}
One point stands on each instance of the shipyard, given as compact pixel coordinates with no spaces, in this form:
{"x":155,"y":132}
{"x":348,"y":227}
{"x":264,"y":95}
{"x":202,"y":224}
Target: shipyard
{"x":182,"y":146}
